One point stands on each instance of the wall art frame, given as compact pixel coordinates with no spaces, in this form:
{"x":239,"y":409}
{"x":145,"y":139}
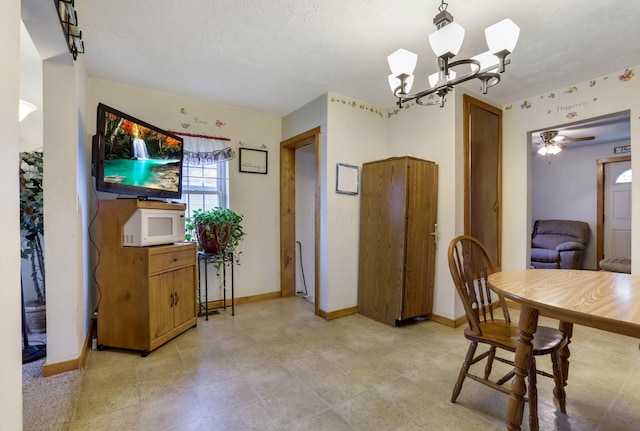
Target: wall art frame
{"x":347,"y":179}
{"x":253,"y":161}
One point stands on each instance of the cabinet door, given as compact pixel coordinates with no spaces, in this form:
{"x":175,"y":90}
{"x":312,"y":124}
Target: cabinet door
{"x":382,"y":239}
{"x":185,"y":295}
{"x":422,"y":204}
{"x":161,"y":299}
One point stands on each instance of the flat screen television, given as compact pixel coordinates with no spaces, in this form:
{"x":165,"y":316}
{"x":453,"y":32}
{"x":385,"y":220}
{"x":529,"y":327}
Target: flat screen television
{"x":133,"y":157}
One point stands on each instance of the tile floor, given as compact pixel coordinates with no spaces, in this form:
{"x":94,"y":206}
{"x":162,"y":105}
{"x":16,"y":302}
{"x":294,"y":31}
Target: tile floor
{"x":276,"y":366}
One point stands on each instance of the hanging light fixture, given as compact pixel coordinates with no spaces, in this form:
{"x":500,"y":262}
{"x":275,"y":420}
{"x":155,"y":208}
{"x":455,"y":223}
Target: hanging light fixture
{"x":550,"y":143}
{"x":69,"y":21}
{"x":445,"y":43}
{"x":25,"y":109}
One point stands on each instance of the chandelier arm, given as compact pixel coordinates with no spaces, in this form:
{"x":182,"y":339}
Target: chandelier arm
{"x":443,"y":89}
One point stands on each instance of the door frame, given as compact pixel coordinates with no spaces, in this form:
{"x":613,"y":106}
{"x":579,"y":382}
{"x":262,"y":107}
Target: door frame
{"x":288,"y":149}
{"x":600,"y":205}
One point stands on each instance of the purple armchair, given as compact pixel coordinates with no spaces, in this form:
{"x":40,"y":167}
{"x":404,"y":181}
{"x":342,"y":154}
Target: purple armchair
{"x":559,"y":243}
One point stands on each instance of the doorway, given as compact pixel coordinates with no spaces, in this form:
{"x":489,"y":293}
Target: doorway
{"x":288,"y":240}
{"x":614,"y":209}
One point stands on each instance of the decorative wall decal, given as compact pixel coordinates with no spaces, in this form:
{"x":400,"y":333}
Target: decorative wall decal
{"x":552,"y":95}
{"x":220,"y":123}
{"x":185,"y":125}
{"x":355,"y":104}
{"x":183,"y":111}
{"x":627,"y":75}
{"x":572,"y":115}
{"x":198,"y":120}
{"x":525,"y":105}
{"x":508,"y":107}
{"x":571,"y":90}
{"x":592,"y":83}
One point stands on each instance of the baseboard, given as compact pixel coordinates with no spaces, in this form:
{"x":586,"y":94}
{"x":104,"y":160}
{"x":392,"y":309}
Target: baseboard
{"x":452,"y":323}
{"x":337,"y":313}
{"x":72,"y":364}
{"x":243,"y":300}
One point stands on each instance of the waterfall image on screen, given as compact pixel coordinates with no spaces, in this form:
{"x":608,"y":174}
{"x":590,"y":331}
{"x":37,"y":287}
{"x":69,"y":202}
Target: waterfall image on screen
{"x":138,"y":156}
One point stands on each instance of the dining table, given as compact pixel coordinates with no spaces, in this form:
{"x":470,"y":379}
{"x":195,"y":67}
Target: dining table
{"x":604,"y":300}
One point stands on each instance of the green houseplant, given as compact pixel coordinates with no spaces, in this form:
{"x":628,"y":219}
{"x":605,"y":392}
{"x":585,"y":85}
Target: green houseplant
{"x":32,"y":231}
{"x":218,"y":231}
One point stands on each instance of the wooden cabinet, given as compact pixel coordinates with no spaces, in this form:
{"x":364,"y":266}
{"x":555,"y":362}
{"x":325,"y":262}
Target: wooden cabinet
{"x":397,"y":249}
{"x":146,"y":295}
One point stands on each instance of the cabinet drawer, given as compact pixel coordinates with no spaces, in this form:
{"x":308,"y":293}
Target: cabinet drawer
{"x":168,"y":261}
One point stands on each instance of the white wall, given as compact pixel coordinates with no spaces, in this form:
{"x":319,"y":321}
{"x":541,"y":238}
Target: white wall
{"x":10,"y":318}
{"x":600,"y":96}
{"x":564,"y":187}
{"x":65,"y":244}
{"x":255,"y":196}
{"x":356,"y":133}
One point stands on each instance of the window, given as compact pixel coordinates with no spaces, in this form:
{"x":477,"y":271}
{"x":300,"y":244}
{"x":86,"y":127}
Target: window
{"x":624,"y":177}
{"x":205,"y":172}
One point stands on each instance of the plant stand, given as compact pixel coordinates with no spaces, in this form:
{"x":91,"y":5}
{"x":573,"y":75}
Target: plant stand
{"x":30,"y":352}
{"x":203,"y":260}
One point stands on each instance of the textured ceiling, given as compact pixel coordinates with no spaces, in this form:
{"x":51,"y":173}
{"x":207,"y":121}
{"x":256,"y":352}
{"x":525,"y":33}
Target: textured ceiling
{"x":275,"y":56}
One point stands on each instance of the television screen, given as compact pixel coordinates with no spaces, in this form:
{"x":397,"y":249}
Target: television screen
{"x":135,"y":158}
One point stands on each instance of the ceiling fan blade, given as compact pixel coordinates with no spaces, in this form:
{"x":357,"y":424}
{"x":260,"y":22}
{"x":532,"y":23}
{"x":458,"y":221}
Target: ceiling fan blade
{"x":586,"y":138}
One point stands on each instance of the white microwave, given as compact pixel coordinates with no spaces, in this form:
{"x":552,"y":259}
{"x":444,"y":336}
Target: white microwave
{"x":148,"y":226}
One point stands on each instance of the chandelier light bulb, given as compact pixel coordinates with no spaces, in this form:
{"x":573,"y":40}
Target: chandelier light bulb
{"x":447,"y":41}
{"x":502,"y":36}
{"x":487,"y":60}
{"x":402,"y":61}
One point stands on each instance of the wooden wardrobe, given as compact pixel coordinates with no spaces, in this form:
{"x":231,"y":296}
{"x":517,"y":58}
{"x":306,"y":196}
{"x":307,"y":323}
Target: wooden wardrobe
{"x":398,"y":211}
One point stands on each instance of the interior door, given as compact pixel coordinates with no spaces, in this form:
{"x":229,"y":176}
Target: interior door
{"x":483,"y":175}
{"x":617,"y":211}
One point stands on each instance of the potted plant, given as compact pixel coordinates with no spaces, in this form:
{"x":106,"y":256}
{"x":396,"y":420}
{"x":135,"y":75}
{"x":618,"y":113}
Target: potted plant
{"x":218,"y":231}
{"x":32,"y":231}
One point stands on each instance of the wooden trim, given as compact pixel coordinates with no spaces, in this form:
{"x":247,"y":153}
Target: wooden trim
{"x":452,"y":323}
{"x":600,"y":205}
{"x":337,"y":313}
{"x":287,"y":213}
{"x":243,"y":300}
{"x":59,"y":367}
{"x":72,"y":364}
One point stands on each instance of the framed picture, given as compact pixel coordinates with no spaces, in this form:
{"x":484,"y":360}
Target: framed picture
{"x":346,"y":179}
{"x":253,"y":161}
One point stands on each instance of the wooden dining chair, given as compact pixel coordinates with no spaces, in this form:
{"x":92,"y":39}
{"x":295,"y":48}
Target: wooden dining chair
{"x":470,"y":267}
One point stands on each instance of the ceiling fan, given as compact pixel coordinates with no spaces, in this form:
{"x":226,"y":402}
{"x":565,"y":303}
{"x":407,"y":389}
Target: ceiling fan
{"x":551,"y":140}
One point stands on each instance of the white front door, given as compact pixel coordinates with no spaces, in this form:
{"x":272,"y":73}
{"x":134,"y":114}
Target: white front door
{"x":617,"y":211}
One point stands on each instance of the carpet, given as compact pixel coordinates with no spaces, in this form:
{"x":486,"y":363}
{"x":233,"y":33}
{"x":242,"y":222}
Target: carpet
{"x":48,"y":402}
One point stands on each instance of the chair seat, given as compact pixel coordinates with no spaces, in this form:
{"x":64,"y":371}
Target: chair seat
{"x":506,"y":335}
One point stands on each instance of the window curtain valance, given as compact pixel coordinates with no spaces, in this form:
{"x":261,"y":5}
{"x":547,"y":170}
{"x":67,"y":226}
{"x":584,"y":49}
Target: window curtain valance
{"x":205,"y":150}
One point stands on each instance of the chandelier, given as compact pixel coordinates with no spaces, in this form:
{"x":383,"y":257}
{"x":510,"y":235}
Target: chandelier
{"x":445,"y":43}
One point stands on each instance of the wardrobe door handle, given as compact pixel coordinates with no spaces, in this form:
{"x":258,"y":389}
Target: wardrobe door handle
{"x":177,"y":298}
{"x":172,"y":303}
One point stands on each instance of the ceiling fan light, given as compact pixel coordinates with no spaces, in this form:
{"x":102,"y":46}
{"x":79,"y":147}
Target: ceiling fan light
{"x":402,"y":61}
{"x":502,"y":36}
{"x":447,"y":40}
{"x":394,"y":83}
